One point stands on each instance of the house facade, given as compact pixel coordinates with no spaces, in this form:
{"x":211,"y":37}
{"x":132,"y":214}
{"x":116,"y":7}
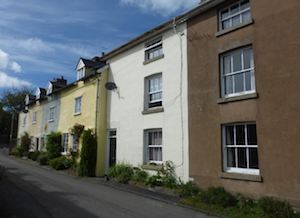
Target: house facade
{"x":147,"y":122}
{"x":244,"y":104}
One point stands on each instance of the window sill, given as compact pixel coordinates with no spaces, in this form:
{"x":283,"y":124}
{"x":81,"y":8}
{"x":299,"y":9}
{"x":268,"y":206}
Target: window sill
{"x":33,"y":123}
{"x":151,"y":167}
{"x":50,"y":121}
{"x":237,"y":98}
{"x":153,"y":110}
{"x":77,"y":114}
{"x":242,"y":177}
{"x":223,"y":32}
{"x":153,"y":59}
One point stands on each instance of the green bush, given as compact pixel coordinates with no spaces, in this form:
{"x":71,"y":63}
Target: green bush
{"x":53,"y":145}
{"x":140,"y":175}
{"x":168,"y":176}
{"x":88,"y":154}
{"x":61,"y":163}
{"x":244,"y":202}
{"x":275,"y":208}
{"x":43,"y":158}
{"x":218,"y":196}
{"x":25,"y":143}
{"x":17,"y":151}
{"x":123,"y":173}
{"x":33,"y":155}
{"x":155,"y":180}
{"x":188,"y":190}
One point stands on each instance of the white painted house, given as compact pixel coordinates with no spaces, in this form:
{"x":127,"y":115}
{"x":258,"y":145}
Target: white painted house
{"x":147,"y":116}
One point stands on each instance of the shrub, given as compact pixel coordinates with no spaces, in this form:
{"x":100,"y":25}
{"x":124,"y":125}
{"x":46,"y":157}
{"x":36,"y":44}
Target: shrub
{"x":188,"y":190}
{"x":33,"y":155}
{"x":244,"y":202}
{"x":155,"y":180}
{"x":168,"y":175}
{"x":17,"y":151}
{"x":61,"y":163}
{"x":43,"y":158}
{"x":275,"y":208}
{"x":218,"y":196}
{"x":140,"y":175}
{"x":123,"y":173}
{"x":53,"y":145}
{"x":88,"y":154}
{"x":25,"y":143}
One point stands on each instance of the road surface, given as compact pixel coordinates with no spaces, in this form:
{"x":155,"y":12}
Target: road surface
{"x":29,"y":191}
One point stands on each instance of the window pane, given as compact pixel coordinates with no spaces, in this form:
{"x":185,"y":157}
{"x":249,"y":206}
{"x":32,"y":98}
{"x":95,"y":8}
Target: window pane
{"x":227,"y":64}
{"x":229,"y":135}
{"x":251,"y":134}
{"x":253,"y":158}
{"x":246,"y":16}
{"x":231,"y":157}
{"x":234,"y":9}
{"x":245,"y":4}
{"x":240,"y":135}
{"x":248,"y":81}
{"x":236,"y":20}
{"x":150,"y":141}
{"x":224,"y":14}
{"x":247,"y":58}
{"x":225,"y":24}
{"x":242,"y":158}
{"x":237,"y":61}
{"x":239,"y":82}
{"x":229,"y":84}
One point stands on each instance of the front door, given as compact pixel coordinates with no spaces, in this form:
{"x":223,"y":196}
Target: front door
{"x":112,"y":147}
{"x":37,"y":144}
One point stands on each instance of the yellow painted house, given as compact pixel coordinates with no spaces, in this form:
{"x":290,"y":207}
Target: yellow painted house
{"x":63,"y":106}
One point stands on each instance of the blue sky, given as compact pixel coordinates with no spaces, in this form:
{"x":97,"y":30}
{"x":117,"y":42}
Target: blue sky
{"x":41,"y":39}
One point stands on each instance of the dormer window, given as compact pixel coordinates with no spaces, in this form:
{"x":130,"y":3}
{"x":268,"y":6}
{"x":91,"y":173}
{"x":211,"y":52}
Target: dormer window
{"x":49,"y":89}
{"x":27,"y":100}
{"x":38,"y":94}
{"x":154,"y":49}
{"x":80,"y":73}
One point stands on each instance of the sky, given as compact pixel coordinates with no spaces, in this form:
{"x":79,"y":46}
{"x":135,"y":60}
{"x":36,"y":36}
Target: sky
{"x":42,"y":39}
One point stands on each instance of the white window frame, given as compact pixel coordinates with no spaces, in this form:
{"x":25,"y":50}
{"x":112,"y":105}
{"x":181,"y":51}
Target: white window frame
{"x":65,"y":143}
{"x":239,"y":13}
{"x":34,"y":114}
{"x":153,"y":46}
{"x":236,"y":169}
{"x":78,"y":108}
{"x":80,"y":73}
{"x":51,"y":114}
{"x":24,"y":120}
{"x":148,"y":147}
{"x":148,"y":93}
{"x":242,"y":71}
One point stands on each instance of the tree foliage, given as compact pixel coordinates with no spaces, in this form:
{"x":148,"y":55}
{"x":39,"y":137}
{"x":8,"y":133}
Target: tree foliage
{"x":53,"y":145}
{"x":13,"y":100}
{"x":88,"y":154}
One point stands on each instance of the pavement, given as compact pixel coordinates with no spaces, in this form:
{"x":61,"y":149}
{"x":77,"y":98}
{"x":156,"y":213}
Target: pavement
{"x":30,"y":191}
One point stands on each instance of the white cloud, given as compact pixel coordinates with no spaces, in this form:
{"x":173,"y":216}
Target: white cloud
{"x":11,"y":82}
{"x":163,"y":7}
{"x":14,"y":66}
{"x":6,"y":63}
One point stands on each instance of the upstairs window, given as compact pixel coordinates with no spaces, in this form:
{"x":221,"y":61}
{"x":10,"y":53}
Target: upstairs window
{"x":154,"y":91}
{"x":77,"y":109}
{"x":153,"y":49}
{"x":51,"y":114}
{"x":234,"y":15}
{"x":80,"y":73}
{"x":237,"y":72}
{"x":154,"y":146}
{"x":240,"y":148}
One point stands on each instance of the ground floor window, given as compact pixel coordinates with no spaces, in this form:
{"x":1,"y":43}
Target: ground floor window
{"x":154,"y":146}
{"x":75,"y":142}
{"x":240,"y":148}
{"x":65,"y":142}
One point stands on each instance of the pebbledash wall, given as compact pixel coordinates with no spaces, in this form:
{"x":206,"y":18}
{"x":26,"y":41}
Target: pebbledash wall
{"x":272,"y":103}
{"x":127,"y":112}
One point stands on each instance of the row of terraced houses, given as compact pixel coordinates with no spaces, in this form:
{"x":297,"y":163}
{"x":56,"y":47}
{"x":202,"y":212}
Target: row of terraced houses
{"x":214,"y":90}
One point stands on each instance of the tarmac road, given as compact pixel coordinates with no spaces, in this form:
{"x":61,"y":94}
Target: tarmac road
{"x":29,"y":191}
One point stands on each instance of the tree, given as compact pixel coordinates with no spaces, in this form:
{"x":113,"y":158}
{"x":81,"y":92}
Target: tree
{"x":12,"y":102}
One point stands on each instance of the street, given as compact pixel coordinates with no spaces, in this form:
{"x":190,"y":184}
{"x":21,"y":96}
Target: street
{"x":28,"y":191}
